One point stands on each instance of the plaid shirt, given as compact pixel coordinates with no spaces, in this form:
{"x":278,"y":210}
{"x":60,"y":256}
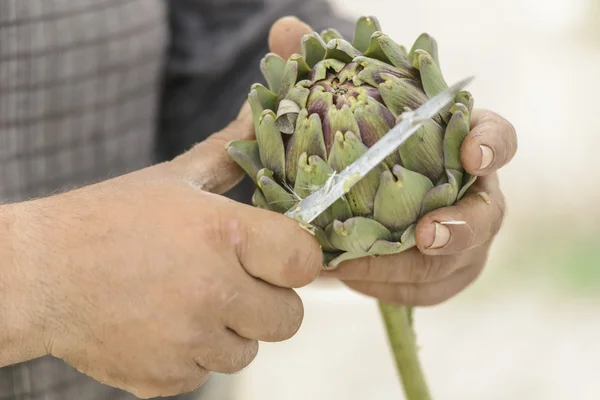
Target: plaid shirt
{"x":80,"y":85}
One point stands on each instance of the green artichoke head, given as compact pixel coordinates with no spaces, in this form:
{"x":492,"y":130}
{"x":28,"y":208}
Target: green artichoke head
{"x":324,"y":108}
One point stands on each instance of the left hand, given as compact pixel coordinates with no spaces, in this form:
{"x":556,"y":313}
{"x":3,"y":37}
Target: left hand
{"x":448,"y":257}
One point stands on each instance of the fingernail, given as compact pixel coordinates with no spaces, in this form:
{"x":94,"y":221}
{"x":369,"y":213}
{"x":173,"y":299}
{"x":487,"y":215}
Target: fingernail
{"x":442,"y":236}
{"x":487,"y":156}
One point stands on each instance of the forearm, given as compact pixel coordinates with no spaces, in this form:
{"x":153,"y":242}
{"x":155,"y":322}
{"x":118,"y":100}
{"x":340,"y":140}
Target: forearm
{"x":21,"y":301}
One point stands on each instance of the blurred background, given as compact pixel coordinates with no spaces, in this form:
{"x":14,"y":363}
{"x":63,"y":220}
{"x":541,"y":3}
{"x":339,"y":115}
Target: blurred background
{"x":529,"y":328}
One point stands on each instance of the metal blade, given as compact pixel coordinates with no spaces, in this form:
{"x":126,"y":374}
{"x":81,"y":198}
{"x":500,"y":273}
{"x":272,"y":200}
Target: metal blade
{"x":340,"y":184}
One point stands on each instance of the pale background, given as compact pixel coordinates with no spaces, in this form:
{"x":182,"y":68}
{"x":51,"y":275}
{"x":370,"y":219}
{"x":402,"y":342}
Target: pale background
{"x":530,"y":326}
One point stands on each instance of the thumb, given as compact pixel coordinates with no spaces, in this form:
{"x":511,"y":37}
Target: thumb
{"x":291,"y":258}
{"x":207,"y":165}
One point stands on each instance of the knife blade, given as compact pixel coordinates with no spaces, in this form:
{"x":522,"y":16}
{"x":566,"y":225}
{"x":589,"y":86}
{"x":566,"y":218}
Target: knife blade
{"x":339,"y":184}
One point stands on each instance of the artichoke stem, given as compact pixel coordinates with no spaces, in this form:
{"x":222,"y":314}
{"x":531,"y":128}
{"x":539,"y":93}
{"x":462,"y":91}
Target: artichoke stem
{"x":403,"y":342}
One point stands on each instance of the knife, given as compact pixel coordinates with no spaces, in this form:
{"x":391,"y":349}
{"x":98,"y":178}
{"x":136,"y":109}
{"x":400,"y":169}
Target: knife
{"x":339,"y":184}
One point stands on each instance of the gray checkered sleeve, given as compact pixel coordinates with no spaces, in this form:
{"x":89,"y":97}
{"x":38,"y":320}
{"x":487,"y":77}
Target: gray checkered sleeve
{"x":78,"y":93}
{"x":78,"y":90}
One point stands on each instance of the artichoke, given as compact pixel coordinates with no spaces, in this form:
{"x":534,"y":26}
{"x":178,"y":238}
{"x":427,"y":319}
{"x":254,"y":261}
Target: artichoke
{"x":325,"y":107}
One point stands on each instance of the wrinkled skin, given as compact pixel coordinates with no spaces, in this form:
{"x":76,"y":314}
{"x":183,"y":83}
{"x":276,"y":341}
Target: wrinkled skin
{"x":430,"y":274}
{"x":151,"y":281}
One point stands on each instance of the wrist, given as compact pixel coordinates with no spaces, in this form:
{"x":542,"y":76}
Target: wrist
{"x":23,"y":304}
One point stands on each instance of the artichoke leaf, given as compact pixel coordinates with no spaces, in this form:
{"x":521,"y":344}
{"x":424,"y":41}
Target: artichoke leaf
{"x":356,"y":235}
{"x":289,"y":79}
{"x":272,"y":67}
{"x":401,"y":93}
{"x":279,"y":199}
{"x":466,"y":98}
{"x":374,"y":122}
{"x":313,"y":173}
{"x":313,"y":49}
{"x":400,"y":197}
{"x":384,"y":247}
{"x":247,"y":155}
{"x":260,"y":201}
{"x":423,"y":152}
{"x":319,"y":71}
{"x":303,"y":68}
{"x":373,"y":71}
{"x":365,"y":28}
{"x":338,"y":120}
{"x":270,"y":145}
{"x":287,"y":115}
{"x":427,"y":43}
{"x":347,"y":256}
{"x":443,"y":195}
{"x":384,"y":49}
{"x":256,"y":107}
{"x":456,"y":132}
{"x":348,"y":148}
{"x":469,"y":180}
{"x":432,"y":79}
{"x":331,"y":34}
{"x":308,"y":138}
{"x":323,"y":240}
{"x":268,"y":99}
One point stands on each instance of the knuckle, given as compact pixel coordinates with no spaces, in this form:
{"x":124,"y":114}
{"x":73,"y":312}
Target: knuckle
{"x":430,"y":268}
{"x":214,"y":293}
{"x":419,"y":272}
{"x":290,"y":319}
{"x":434,"y":268}
{"x":231,"y":361}
{"x":508,"y":139}
{"x":302,"y":265}
{"x":248,"y":355}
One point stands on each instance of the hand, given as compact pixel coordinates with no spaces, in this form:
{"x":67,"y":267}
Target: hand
{"x":447,"y":257}
{"x":148,"y":282}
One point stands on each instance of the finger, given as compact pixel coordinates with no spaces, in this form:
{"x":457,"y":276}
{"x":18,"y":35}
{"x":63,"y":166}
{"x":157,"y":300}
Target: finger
{"x":411,"y":266}
{"x":207,"y":165}
{"x":274,"y":248}
{"x":285,"y":36}
{"x":425,"y":294}
{"x":264,"y":312}
{"x":491,"y":144}
{"x":230,"y":354}
{"x":475,"y":219}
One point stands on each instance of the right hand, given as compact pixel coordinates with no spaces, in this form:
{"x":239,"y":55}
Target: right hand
{"x":148,"y":282}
